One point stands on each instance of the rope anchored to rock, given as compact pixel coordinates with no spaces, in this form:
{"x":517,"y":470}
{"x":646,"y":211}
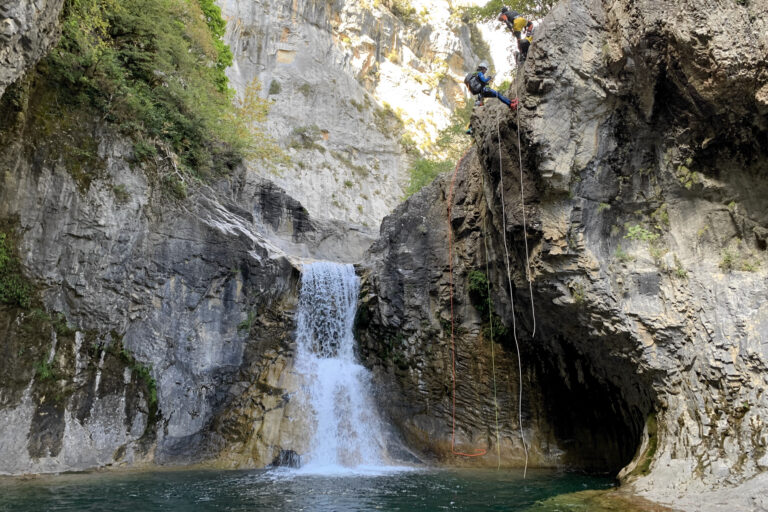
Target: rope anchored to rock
{"x":479,"y":451}
{"x":512,"y":301}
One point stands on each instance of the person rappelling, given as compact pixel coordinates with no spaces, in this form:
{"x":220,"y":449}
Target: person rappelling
{"x":477,"y":83}
{"x":521,"y":28}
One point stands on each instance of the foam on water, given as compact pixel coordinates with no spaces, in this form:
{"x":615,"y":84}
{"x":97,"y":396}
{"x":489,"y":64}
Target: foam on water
{"x":348,"y":437}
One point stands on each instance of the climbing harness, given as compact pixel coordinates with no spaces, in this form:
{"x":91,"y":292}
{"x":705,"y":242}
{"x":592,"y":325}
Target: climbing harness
{"x":512,"y":301}
{"x":480,"y":451}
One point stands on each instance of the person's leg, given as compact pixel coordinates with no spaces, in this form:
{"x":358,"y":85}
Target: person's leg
{"x":523,"y":45}
{"x":490,"y":93}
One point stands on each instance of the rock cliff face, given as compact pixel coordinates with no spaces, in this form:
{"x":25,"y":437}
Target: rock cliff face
{"x":643,"y":134}
{"x":159,"y":330}
{"x":348,"y":80}
{"x":27,"y":31}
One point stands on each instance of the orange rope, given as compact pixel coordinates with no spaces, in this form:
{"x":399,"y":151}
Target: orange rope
{"x":480,"y":451}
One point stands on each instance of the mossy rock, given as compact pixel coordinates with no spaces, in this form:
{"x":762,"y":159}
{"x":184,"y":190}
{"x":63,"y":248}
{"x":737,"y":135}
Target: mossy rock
{"x":598,"y":501}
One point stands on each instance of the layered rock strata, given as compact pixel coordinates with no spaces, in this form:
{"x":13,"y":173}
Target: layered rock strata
{"x":643,"y":134}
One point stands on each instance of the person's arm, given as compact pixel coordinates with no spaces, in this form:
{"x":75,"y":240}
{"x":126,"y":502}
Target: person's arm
{"x":529,"y":30}
{"x":483,"y":78}
{"x":507,"y":22}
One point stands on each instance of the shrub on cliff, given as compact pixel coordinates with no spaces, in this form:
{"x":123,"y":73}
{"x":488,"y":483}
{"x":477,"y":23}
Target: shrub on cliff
{"x":15,"y":290}
{"x":423,"y":172}
{"x":534,"y":9}
{"x":155,"y":68}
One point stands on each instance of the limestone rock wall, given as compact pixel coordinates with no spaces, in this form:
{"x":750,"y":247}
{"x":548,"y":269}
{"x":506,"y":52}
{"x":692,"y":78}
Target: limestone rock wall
{"x":28,"y":29}
{"x":160,"y":329}
{"x":348,"y":80}
{"x":643,"y":134}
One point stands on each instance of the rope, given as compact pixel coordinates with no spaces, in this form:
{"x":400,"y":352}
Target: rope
{"x":512,"y":300}
{"x":522,"y":203}
{"x":480,"y":451}
{"x":490,"y":327}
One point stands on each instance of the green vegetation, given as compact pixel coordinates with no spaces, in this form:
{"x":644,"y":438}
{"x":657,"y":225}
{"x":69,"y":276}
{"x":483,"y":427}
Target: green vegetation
{"x":622,"y":255}
{"x":15,"y":289}
{"x":603,"y":207}
{"x":402,"y":9}
{"x":578,"y":292}
{"x":451,"y":144}
{"x":734,"y":257}
{"x":348,"y":183}
{"x":686,"y":177}
{"x":61,"y":326}
{"x":155,"y":69}
{"x":679,"y":270}
{"x":478,"y":44}
{"x":274,"y":87}
{"x":246,"y":324}
{"x":121,"y":193}
{"x":657,"y":252}
{"x":409,"y":145}
{"x":359,"y":169}
{"x":638,"y":232}
{"x":423,"y":172}
{"x":143,"y":150}
{"x":143,"y":374}
{"x":305,"y":137}
{"x":452,"y":141}
{"x":645,"y":459}
{"x":393,"y":56}
{"x":479,"y":295}
{"x":656,"y":248}
{"x":44,"y":371}
{"x":661,"y":217}
{"x":305,"y":89}
{"x":387,"y":120}
{"x":533,"y":9}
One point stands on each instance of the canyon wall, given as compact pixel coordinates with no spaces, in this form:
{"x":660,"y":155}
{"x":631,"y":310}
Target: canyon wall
{"x":643,"y":136}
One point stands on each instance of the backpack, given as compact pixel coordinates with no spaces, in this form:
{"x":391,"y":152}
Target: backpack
{"x":473,"y":83}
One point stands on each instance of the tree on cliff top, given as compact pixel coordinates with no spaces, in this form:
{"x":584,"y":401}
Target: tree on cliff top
{"x":534,"y":9}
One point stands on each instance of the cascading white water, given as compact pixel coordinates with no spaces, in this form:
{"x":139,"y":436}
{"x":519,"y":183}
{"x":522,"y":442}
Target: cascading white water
{"x":348,"y":432}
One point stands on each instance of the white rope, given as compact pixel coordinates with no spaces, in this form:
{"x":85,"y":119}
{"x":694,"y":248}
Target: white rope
{"x":512,"y":300}
{"x":522,"y":203}
{"x":493,"y":350}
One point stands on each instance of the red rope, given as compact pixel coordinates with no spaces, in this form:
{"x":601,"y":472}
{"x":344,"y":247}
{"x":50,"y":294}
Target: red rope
{"x":479,"y":451}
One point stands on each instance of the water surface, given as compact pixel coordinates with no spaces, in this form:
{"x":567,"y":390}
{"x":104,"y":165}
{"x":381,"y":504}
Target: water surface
{"x":287,"y":490}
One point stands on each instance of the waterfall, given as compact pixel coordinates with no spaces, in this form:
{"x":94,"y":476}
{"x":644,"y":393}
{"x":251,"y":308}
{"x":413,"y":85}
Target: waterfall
{"x":348,"y":434}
